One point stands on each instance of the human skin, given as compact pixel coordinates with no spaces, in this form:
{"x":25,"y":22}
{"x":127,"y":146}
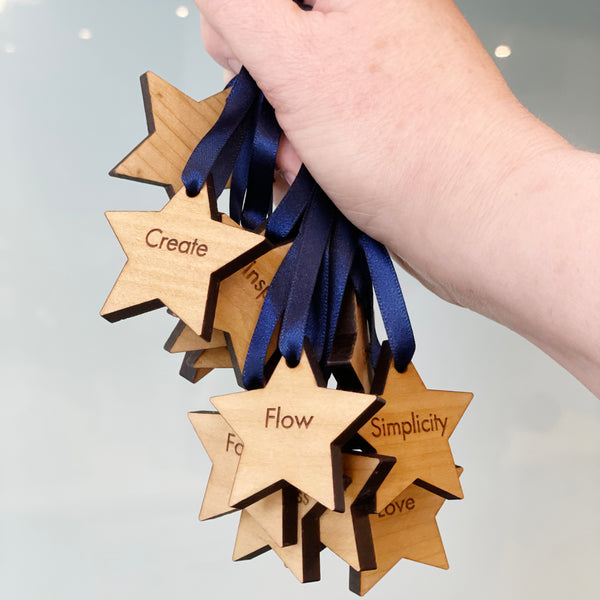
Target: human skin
{"x":404,"y":120}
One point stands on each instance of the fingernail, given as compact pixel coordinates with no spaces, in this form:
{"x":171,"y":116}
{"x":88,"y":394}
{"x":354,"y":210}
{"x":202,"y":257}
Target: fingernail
{"x":289,"y":177}
{"x":234,"y":65}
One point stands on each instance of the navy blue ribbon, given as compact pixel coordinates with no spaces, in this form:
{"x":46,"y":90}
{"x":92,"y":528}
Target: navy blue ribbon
{"x":328,"y":253}
{"x":217,"y":152}
{"x":390,"y":301}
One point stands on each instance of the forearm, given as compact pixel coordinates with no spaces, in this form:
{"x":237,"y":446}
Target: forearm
{"x":528,"y":255}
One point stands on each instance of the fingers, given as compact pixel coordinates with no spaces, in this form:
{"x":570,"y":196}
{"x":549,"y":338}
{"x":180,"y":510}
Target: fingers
{"x":242,"y":23}
{"x":215,"y":44}
{"x":288,"y":161}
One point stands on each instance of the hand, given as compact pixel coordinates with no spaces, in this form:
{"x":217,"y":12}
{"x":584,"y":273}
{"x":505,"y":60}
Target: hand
{"x":402,"y":117}
{"x":391,"y":104}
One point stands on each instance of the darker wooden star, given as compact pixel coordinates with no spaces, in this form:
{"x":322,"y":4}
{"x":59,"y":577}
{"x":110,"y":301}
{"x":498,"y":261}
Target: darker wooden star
{"x":177,"y":257}
{"x":176,"y":123}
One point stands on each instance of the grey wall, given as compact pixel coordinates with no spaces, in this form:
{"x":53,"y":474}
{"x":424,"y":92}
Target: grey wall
{"x":101,"y":475}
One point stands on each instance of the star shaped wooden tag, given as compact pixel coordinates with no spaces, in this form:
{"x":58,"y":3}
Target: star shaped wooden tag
{"x":292,"y":431}
{"x":349,"y":359}
{"x":276,"y":513}
{"x":405,"y":528}
{"x":176,"y":257}
{"x":176,"y":124}
{"x":302,"y":558}
{"x":414,"y":427}
{"x":348,"y":534}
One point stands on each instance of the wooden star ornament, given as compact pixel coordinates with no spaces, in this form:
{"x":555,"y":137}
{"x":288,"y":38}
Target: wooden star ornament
{"x":414,"y":427}
{"x":276,"y":513}
{"x":176,"y":123}
{"x":405,"y":528}
{"x":292,"y":431}
{"x":176,"y":257}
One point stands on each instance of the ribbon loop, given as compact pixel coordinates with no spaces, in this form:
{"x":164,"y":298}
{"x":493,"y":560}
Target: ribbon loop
{"x":328,"y":256}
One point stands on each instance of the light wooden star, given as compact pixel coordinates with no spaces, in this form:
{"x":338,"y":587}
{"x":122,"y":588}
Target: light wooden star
{"x":276,"y":513}
{"x":292,"y":431}
{"x":348,"y":534}
{"x":414,"y":427}
{"x":176,"y":257}
{"x":405,"y":528}
{"x":302,"y":558}
{"x":176,"y":123}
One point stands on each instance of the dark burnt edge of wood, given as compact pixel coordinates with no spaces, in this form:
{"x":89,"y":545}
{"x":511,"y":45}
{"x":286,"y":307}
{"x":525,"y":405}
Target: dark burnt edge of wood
{"x":365,"y":504}
{"x":357,"y":443}
{"x":365,"y":500}
{"x":346,"y":331}
{"x":222,"y":514}
{"x":365,"y":548}
{"x":133,"y":311}
{"x":346,"y":378}
{"x":188,"y":371}
{"x":435,"y":490}
{"x":289,"y":501}
{"x":215,"y":215}
{"x":273,"y":360}
{"x":210,"y":309}
{"x":201,"y":374}
{"x":243,"y":260}
{"x":311,"y":544}
{"x":151,"y":131}
{"x":261,"y":494}
{"x":382,"y":369}
{"x":344,"y":343}
{"x":234,"y":360}
{"x":254,"y":554}
{"x":175,"y":334}
{"x":217,"y":276}
{"x":313,"y":361}
{"x":336,"y":450}
{"x":354,"y":581}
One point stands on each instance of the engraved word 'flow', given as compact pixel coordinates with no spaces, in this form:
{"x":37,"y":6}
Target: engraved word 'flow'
{"x":273,"y":417}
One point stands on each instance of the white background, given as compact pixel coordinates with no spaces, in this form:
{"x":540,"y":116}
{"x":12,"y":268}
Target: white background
{"x":101,"y":474}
